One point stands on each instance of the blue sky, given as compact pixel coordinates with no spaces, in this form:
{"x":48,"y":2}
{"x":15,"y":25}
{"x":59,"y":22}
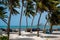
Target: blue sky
{"x":15,"y":19}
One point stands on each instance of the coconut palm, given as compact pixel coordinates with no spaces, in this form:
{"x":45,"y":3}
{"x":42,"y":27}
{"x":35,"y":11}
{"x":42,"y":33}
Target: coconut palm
{"x":40,"y":8}
{"x":45,"y":5}
{"x":54,"y":18}
{"x":29,"y":11}
{"x":32,"y":22}
{"x":21,"y":17}
{"x":45,"y":27}
{"x":11,"y":4}
{"x":44,"y":30}
{"x":3,"y":14}
{"x":33,"y":15}
{"x":52,"y":9}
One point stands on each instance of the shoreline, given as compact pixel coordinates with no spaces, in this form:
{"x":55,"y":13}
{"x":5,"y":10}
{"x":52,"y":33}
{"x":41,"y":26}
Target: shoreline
{"x":23,"y":29}
{"x":33,"y":35}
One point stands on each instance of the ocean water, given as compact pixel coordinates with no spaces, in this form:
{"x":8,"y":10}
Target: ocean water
{"x":41,"y":27}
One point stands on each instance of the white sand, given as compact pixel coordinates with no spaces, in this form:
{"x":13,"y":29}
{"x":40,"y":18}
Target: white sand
{"x":26,"y":35}
{"x":32,"y":36}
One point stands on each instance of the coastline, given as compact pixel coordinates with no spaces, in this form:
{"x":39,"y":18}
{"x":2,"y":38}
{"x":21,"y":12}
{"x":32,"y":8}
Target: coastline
{"x":33,"y":36}
{"x":28,"y":35}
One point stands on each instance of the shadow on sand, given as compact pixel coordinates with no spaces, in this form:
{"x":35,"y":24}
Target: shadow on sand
{"x":23,"y":39}
{"x":30,"y":35}
{"x":48,"y":36}
{"x":56,"y":33}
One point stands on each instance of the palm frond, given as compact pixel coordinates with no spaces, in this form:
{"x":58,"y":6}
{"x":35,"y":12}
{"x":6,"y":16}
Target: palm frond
{"x":14,"y":11}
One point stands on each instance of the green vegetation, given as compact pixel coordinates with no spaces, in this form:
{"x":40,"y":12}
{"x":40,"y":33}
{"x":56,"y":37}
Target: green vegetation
{"x":4,"y":38}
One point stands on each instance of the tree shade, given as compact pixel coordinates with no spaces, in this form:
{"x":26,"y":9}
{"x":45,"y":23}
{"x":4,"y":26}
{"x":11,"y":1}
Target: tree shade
{"x":55,"y":17}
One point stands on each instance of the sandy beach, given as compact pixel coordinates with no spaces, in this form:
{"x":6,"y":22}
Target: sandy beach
{"x":32,"y":36}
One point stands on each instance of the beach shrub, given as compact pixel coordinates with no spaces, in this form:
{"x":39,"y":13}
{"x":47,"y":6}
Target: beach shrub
{"x":4,"y":38}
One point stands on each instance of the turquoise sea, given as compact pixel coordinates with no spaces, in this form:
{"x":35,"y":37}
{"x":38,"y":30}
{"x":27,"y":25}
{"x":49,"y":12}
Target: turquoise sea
{"x":41,"y":27}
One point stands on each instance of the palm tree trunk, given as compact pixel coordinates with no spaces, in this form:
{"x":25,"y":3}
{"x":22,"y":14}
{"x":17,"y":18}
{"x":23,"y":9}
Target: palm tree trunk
{"x":20,"y":19}
{"x":38,"y":25}
{"x":26,"y":18}
{"x":32,"y":24}
{"x":9,"y":19}
{"x":8,"y":28}
{"x":45,"y":27}
{"x":51,"y":28}
{"x":26,"y":22}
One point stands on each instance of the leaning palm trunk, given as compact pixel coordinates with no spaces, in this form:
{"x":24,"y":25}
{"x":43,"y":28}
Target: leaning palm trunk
{"x":26,"y":18}
{"x":20,"y":19}
{"x":9,"y":19}
{"x":51,"y":28}
{"x":26,"y":22}
{"x":32,"y":24}
{"x":8,"y":28}
{"x":44,"y":30}
{"x":38,"y":25}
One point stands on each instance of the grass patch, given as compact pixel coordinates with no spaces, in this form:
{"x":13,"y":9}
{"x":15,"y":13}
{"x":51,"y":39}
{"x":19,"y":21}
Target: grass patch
{"x":3,"y":38}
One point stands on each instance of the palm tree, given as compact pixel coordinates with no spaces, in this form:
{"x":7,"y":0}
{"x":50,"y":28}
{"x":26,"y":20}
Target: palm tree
{"x":12,"y":11}
{"x":3,"y":14}
{"x":33,"y":15}
{"x":54,"y":18}
{"x":52,"y":9}
{"x":26,"y":23}
{"x":45,"y":27}
{"x":32,"y":24}
{"x":12,"y":4}
{"x":41,"y":7}
{"x":26,"y":14}
{"x":21,"y":17}
{"x":29,"y":11}
{"x":44,"y":30}
{"x":44,"y":5}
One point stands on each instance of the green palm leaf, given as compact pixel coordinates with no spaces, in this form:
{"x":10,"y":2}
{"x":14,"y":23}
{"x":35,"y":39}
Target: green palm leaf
{"x":14,"y":11}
